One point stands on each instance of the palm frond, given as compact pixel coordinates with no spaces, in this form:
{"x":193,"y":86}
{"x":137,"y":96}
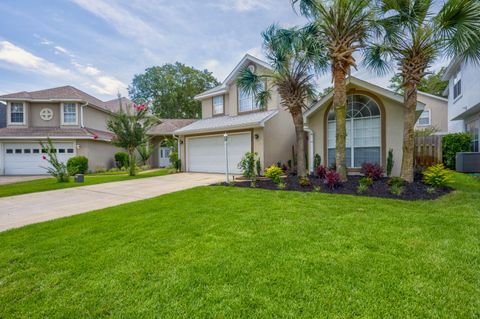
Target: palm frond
{"x":376,"y":57}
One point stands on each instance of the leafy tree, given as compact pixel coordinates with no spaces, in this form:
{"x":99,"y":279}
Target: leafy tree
{"x":294,"y":56}
{"x":326,"y":91}
{"x":130,"y":128}
{"x":145,"y":151}
{"x":432,"y":83}
{"x":343,"y":27}
{"x":171,"y":89}
{"x":413,"y":37}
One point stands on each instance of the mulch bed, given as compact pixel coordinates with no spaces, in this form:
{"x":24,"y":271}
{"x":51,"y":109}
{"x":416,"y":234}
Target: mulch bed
{"x":412,"y":191}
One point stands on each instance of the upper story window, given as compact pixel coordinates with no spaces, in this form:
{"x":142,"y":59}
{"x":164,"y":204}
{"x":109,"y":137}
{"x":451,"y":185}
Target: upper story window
{"x":457,"y":85}
{"x":69,"y":114}
{"x":17,"y":113}
{"x":425,"y":118}
{"x":218,"y":105}
{"x":247,"y":101}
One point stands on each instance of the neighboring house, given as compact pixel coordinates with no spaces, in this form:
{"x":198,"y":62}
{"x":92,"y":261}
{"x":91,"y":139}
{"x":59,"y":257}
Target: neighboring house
{"x":464,"y":99}
{"x":435,"y":114}
{"x":3,"y":115}
{"x":374,"y":126}
{"x":74,"y":120}
{"x":160,"y":133}
{"x":228,"y":110}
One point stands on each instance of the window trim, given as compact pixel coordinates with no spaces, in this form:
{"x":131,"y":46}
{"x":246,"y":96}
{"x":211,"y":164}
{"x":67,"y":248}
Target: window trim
{"x":429,"y":118}
{"x":63,"y":115}
{"x":259,"y":109}
{"x":457,"y":78}
{"x":9,"y":114}
{"x":223,"y":105}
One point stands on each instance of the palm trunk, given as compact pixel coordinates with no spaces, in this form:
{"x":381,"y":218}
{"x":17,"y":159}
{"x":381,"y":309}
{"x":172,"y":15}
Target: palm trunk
{"x":132,"y":161}
{"x":410,"y":103}
{"x":340,"y":107}
{"x":300,"y":141}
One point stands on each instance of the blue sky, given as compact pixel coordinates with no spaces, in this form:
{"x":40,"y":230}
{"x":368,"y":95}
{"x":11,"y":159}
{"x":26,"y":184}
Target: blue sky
{"x":98,"y":45}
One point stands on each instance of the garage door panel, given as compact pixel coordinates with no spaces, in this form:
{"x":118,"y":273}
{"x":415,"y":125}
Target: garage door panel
{"x":207,"y":154}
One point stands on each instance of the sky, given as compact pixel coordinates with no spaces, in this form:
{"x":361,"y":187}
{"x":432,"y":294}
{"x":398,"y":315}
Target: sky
{"x":99,"y":45}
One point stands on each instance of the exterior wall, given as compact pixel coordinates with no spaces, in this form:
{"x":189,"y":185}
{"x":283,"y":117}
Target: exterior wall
{"x":95,"y":119}
{"x":36,"y":120}
{"x":156,"y":141}
{"x":279,"y":137}
{"x":438,"y":113}
{"x":100,"y":154}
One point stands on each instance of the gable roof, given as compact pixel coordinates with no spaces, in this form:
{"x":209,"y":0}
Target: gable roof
{"x":168,"y":126}
{"x":223,"y":88}
{"x":114,"y":105}
{"x":441,"y":98}
{"x":366,"y":85}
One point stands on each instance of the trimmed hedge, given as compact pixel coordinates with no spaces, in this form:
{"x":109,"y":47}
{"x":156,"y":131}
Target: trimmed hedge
{"x":454,"y":143}
{"x":121,"y":159}
{"x":77,"y":165}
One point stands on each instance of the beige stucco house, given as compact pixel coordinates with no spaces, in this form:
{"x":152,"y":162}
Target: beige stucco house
{"x":227,"y":110}
{"x":435,"y":114}
{"x":74,"y":120}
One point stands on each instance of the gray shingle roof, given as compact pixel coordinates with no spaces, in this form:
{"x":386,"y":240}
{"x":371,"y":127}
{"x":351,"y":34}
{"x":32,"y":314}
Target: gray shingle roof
{"x":221,"y":123}
{"x":42,"y":132}
{"x":168,"y":126}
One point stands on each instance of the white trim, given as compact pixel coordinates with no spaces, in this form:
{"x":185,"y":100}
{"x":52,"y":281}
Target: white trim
{"x":429,"y":118}
{"x":5,"y":138}
{"x":2,"y":160}
{"x":433,"y":96}
{"x":62,"y":115}
{"x":9,"y":112}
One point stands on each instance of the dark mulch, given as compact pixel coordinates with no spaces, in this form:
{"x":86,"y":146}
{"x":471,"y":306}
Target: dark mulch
{"x":412,"y":191}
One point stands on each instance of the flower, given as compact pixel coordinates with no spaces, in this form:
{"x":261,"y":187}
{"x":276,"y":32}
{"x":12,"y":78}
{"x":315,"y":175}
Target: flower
{"x":44,"y":157}
{"x":95,"y":136}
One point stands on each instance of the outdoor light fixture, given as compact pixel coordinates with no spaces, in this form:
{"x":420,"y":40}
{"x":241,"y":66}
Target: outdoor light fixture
{"x":257,"y":136}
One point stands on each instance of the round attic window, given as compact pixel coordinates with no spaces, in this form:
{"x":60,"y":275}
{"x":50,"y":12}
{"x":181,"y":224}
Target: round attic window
{"x":46,"y":114}
{"x":251,"y":67}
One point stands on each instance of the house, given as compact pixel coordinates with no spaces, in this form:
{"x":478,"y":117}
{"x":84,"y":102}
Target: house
{"x":74,"y":120}
{"x":3,"y":115}
{"x":231,"y":113}
{"x":435,"y":115}
{"x":463,"y":99}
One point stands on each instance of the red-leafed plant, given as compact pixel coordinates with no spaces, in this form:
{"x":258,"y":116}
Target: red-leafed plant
{"x":332,"y":179}
{"x":321,"y":171}
{"x":373,"y":171}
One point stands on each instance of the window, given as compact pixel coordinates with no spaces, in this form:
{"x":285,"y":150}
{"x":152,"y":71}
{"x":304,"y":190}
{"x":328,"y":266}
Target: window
{"x":363,"y":132}
{"x":17,"y":113}
{"x":69,"y":113}
{"x":27,"y":151}
{"x":61,"y":151}
{"x":474,"y":129}
{"x":36,"y":151}
{"x":247,"y":101}
{"x":9,"y":151}
{"x":218,"y":105}
{"x":457,"y":85}
{"x":425,"y":118}
{"x":18,"y":151}
{"x":70,"y":151}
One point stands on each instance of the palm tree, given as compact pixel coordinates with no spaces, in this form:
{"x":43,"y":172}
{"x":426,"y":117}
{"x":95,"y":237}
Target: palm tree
{"x":344,"y":26}
{"x":414,"y":37}
{"x":295,"y":57}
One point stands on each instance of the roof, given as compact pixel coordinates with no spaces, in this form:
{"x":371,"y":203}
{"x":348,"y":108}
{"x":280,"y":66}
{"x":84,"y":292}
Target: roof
{"x":64,"y":93}
{"x":168,"y":126}
{"x":54,"y":132}
{"x":433,"y":96}
{"x":114,"y":105}
{"x":223,"y":88}
{"x":468,"y":113}
{"x":222,"y":123}
{"x":366,"y":85}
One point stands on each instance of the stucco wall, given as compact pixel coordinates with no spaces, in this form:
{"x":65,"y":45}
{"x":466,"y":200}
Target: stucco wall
{"x":100,"y":154}
{"x":279,"y":137}
{"x":95,"y":119}
{"x":438,"y":110}
{"x":36,"y":120}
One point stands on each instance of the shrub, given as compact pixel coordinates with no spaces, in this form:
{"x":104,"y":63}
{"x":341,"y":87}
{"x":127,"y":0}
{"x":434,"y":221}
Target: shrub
{"x":374,"y":171}
{"x":304,"y":181}
{"x":77,"y":165}
{"x":454,"y":143}
{"x":361,"y":188}
{"x":258,"y":167}
{"x":317,"y":189}
{"x":396,"y":190}
{"x":366,"y":181}
{"x":121,"y":159}
{"x":320,"y":171}
{"x":175,"y":161}
{"x":56,"y":169}
{"x":100,"y":169}
{"x":317,"y":160}
{"x":437,"y":176}
{"x":396,"y":181}
{"x":247,"y":165}
{"x":274,"y":172}
{"x":332,"y":179}
{"x":281,"y":185}
{"x":390,"y":162}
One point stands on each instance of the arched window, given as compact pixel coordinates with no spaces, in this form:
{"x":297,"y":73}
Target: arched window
{"x":363,"y":131}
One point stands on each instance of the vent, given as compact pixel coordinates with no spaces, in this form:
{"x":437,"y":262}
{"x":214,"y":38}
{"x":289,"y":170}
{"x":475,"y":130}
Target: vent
{"x":468,"y":162}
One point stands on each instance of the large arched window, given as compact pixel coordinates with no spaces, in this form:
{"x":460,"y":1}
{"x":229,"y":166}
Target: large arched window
{"x":363,"y":131}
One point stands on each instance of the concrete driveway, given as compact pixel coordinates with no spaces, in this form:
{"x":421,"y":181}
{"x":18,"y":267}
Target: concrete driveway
{"x":16,"y":179}
{"x":16,"y":211}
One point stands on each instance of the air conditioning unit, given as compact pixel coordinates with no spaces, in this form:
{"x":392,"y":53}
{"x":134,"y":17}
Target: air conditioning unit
{"x":468,"y":162}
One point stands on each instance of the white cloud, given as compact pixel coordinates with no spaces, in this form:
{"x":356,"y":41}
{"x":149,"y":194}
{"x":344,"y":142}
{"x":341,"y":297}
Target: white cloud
{"x":244,"y":5}
{"x":60,"y":49}
{"x":109,"y":86}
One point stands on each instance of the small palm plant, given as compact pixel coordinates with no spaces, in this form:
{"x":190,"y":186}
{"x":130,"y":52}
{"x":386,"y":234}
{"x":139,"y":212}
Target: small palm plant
{"x":414,"y":36}
{"x":294,"y":57}
{"x":57,"y":169}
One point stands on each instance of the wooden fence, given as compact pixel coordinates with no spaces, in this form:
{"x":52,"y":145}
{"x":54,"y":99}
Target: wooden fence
{"x":428,"y":150}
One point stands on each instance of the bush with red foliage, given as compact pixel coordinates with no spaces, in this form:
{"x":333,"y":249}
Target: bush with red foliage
{"x":321,"y":171}
{"x":332,"y":179}
{"x":373,"y":171}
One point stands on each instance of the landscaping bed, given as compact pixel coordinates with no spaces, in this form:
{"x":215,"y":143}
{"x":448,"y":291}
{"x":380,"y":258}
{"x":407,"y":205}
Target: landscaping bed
{"x":380,"y":188}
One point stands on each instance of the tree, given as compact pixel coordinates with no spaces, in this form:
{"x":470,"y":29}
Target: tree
{"x":130,"y":128}
{"x":294,"y":56}
{"x":413,"y":37}
{"x":343,"y":26}
{"x":432,"y":83}
{"x":326,"y":91}
{"x":171,"y":89}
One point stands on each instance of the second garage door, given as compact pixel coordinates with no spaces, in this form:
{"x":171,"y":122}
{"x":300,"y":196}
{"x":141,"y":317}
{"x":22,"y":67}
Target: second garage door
{"x":207,"y":154}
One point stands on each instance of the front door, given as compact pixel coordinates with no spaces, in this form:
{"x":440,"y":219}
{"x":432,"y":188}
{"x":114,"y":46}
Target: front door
{"x":164,"y":159}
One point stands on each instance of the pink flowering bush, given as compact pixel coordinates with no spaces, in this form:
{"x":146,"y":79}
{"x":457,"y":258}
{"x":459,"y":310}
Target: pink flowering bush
{"x":57,"y":169}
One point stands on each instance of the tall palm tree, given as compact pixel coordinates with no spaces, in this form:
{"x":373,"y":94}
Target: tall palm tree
{"x":414,"y":36}
{"x":343,"y":26}
{"x":295,"y":57}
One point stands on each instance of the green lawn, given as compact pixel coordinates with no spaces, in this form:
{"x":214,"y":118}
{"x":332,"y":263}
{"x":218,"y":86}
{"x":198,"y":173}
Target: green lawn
{"x":48,"y":184}
{"x":216,"y":252}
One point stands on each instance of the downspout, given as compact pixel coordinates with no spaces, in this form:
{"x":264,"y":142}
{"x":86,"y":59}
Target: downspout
{"x":82,"y":121}
{"x":179,"y":149}
{"x":311,"y":148}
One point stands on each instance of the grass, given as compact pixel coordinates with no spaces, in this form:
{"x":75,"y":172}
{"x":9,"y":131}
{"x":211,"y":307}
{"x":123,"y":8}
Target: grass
{"x":229,"y":252}
{"x":48,"y":184}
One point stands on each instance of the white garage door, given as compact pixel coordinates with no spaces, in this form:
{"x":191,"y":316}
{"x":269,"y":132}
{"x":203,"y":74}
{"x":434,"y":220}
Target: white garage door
{"x":26,"y":158}
{"x":207,"y":154}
